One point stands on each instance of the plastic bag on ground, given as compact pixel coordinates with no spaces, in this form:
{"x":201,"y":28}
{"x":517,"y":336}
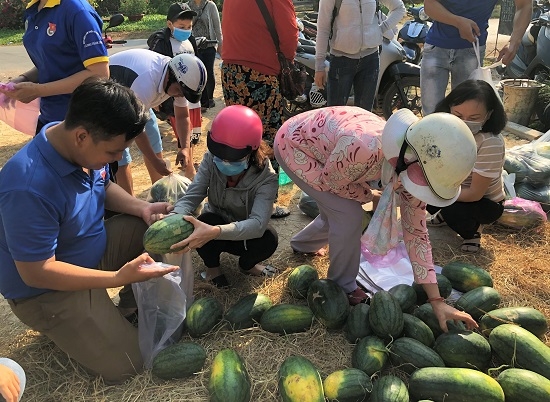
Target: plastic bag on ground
{"x":169,"y":189}
{"x":185,"y":262}
{"x":530,"y":162}
{"x":520,"y":213}
{"x":162,"y":306}
{"x":535,"y":193}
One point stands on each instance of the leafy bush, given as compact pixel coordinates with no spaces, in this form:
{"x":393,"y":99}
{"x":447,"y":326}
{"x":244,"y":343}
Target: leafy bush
{"x":11,"y":14}
{"x":107,"y":7}
{"x":133,"y":7}
{"x":160,"y":6}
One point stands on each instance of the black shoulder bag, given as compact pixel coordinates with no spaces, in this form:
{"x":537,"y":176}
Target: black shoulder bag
{"x":292,"y":79}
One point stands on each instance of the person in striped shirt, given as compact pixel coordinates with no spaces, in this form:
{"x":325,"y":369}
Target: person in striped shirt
{"x":482,"y":196}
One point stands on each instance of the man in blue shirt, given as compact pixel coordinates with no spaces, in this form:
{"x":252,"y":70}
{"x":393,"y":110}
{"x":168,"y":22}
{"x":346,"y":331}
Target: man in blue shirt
{"x":57,"y":255}
{"x":448,"y":49}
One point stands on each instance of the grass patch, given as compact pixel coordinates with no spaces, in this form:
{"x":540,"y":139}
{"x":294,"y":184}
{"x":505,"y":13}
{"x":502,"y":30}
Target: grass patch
{"x":147,"y":25}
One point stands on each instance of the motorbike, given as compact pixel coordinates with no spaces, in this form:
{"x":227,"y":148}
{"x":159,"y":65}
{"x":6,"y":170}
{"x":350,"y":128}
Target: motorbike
{"x":114,"y":21}
{"x":540,"y":7}
{"x":413,"y":33}
{"x":532,"y":60}
{"x":398,"y":83}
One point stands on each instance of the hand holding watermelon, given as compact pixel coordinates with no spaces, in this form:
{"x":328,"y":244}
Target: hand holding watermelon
{"x":445,"y":312}
{"x":202,"y":234}
{"x":155,"y":211}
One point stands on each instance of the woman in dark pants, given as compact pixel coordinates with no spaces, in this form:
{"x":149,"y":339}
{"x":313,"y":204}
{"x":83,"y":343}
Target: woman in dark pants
{"x":236,"y":176}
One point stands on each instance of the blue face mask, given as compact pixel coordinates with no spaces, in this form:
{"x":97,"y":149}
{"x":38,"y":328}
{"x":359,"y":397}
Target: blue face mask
{"x":231,"y":168}
{"x":181,"y":34}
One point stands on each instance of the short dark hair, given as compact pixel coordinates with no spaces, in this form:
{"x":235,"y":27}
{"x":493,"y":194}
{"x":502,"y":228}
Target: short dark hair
{"x":106,"y":109}
{"x":482,"y":92}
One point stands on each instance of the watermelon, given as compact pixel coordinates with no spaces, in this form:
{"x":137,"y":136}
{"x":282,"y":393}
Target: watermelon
{"x":300,"y":279}
{"x":229,"y":380}
{"x":464,"y":349}
{"x":478,"y":301}
{"x":445,"y":384}
{"x":524,"y":386}
{"x":369,"y":355}
{"x":405,"y":296}
{"x":527,"y":317}
{"x":203,"y":315}
{"x":357,"y":325}
{"x":179,"y":360}
{"x":465,"y":277}
{"x":286,"y":319}
{"x":415,"y":328}
{"x":347,"y":385}
{"x":389,"y":389}
{"x":444,"y":285}
{"x":329,"y":303}
{"x":408,"y":355}
{"x":164,"y":233}
{"x":299,"y":381}
{"x":519,"y":348}
{"x":385,"y":315}
{"x":169,"y":188}
{"x":247,"y":311}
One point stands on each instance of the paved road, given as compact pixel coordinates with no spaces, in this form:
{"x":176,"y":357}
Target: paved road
{"x":14,"y":59}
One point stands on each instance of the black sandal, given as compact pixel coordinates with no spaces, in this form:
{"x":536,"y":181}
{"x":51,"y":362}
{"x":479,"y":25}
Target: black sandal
{"x":219,"y":281}
{"x":472,"y":245}
{"x":436,"y":220}
{"x":269,"y":271}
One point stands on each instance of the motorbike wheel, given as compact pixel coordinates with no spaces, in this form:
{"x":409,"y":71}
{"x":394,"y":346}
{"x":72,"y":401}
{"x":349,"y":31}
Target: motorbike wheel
{"x":391,"y":100}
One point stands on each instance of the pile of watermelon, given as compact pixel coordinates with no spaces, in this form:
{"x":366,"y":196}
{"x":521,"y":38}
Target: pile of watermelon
{"x":397,"y":333}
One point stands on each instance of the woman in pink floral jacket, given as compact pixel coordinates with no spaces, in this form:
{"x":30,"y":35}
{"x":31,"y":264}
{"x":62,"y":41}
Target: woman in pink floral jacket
{"x":333,"y":154}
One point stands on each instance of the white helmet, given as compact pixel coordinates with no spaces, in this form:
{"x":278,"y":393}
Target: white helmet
{"x":443,"y":147}
{"x":190,"y":73}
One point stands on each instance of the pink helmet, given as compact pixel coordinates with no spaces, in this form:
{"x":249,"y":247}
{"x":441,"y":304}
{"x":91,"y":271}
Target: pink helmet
{"x":236,"y":132}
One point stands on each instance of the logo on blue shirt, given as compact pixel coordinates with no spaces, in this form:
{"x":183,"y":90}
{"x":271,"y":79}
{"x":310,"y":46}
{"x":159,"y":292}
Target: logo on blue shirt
{"x":91,"y":38}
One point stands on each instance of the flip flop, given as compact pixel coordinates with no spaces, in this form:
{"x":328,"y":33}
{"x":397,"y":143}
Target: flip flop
{"x":268,"y":271}
{"x":280,"y":212}
{"x":219,"y":281}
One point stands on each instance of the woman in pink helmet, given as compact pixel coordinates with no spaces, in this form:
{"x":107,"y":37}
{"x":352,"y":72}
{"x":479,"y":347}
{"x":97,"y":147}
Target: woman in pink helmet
{"x":336,"y":154}
{"x":236,"y":176}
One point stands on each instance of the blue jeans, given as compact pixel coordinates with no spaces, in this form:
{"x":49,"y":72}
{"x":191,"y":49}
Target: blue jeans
{"x":436,"y":66}
{"x":361,"y":73}
{"x":153,"y":133}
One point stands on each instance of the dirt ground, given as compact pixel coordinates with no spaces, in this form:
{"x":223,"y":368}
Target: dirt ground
{"x":517,"y":261}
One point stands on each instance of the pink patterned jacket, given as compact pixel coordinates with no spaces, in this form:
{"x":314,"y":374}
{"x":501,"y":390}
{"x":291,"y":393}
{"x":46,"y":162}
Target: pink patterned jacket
{"x":338,"y":149}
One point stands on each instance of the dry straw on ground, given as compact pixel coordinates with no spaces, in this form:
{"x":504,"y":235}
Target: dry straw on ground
{"x":517,"y":261}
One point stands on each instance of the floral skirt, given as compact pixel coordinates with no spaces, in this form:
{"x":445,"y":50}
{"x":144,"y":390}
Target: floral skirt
{"x":245,"y":86}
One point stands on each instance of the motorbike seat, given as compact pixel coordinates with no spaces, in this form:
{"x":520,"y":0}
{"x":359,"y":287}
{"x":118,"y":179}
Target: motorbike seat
{"x":305,"y":49}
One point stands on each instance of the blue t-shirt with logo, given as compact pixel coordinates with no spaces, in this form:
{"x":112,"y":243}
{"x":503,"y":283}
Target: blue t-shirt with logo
{"x":62,"y":39}
{"x":48,"y":206}
{"x":448,"y":36}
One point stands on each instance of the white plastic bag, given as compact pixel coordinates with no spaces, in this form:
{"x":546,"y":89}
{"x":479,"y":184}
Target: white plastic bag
{"x":185,"y":262}
{"x":169,"y":189}
{"x":162,"y":306}
{"x":483,"y":73}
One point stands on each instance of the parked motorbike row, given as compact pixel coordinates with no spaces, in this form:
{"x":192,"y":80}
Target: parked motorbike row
{"x":398,"y":84}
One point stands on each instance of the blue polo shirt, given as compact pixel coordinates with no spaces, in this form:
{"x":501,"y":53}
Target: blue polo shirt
{"x":48,"y":206}
{"x":448,"y":37}
{"x":62,"y":39}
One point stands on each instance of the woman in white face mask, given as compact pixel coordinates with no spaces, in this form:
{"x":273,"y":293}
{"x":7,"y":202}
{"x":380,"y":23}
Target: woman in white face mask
{"x":480,"y":201}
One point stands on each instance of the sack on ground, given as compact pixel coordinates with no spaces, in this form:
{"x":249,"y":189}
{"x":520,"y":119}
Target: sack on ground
{"x":162,"y":308}
{"x":530,"y":162}
{"x":520,"y":213}
{"x":292,"y":79}
{"x":531,"y":192}
{"x":169,"y":189}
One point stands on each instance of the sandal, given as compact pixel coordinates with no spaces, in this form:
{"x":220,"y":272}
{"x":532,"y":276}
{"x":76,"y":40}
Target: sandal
{"x":472,"y":245}
{"x":436,"y":220}
{"x":219,"y":281}
{"x":268,"y":271}
{"x":319,"y":253}
{"x":358,"y":296}
{"x":280,"y":212}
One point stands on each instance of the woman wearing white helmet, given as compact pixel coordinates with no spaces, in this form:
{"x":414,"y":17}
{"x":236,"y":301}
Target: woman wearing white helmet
{"x":333,"y":154}
{"x":236,"y":176}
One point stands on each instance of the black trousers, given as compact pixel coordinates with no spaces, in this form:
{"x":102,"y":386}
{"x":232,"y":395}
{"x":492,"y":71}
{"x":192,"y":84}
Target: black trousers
{"x":208,"y":57}
{"x":251,"y":251}
{"x":466,"y":217}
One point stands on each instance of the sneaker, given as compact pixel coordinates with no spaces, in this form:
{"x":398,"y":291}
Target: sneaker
{"x":357,"y":296}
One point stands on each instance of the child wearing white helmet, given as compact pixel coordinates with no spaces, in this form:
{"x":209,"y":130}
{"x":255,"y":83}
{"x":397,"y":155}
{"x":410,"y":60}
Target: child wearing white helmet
{"x":482,"y":196}
{"x":236,"y":176}
{"x":333,"y":154}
